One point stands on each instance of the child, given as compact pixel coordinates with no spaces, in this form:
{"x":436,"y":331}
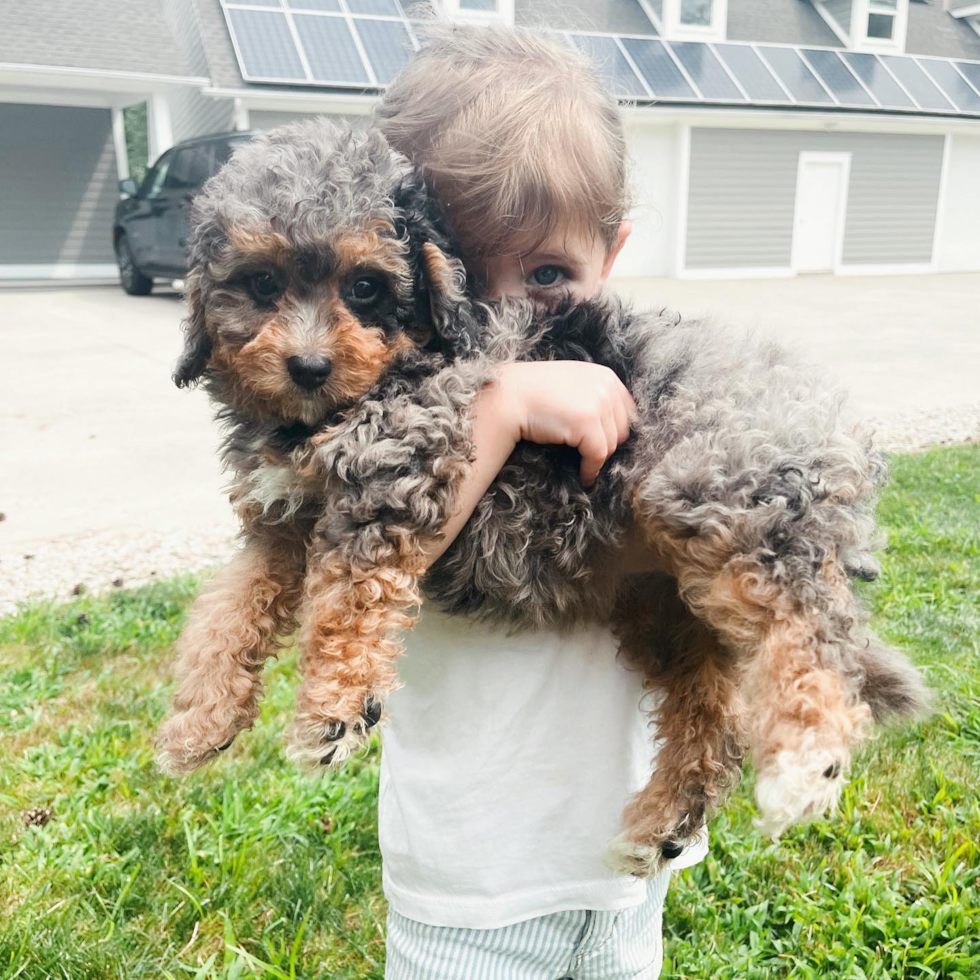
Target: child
{"x":508,"y":758}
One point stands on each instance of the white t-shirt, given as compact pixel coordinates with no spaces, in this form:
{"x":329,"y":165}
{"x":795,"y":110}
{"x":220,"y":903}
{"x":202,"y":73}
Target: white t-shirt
{"x":507,"y":761}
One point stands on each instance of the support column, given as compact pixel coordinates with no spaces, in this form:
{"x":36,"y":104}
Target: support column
{"x":241,"y":121}
{"x":160,"y":134}
{"x":119,"y":143}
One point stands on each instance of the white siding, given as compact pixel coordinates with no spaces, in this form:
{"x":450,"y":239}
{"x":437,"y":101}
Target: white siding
{"x":743,"y":192}
{"x":191,"y":113}
{"x":58,"y":185}
{"x":958,"y":246}
{"x":265,"y":119}
{"x":653,"y":179}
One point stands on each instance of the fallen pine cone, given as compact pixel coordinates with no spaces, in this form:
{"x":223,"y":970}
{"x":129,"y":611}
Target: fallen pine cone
{"x":37,"y":817}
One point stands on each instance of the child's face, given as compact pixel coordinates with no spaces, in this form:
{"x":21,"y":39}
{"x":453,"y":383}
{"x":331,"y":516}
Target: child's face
{"x":566,"y":264}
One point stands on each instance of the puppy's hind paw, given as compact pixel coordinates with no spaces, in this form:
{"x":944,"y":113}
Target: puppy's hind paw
{"x":186,"y":742}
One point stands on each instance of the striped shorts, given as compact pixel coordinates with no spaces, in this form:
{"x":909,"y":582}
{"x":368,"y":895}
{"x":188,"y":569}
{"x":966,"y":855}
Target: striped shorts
{"x":624,"y":945}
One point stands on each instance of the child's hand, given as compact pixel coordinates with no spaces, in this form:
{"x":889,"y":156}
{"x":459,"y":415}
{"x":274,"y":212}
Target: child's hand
{"x":572,"y":403}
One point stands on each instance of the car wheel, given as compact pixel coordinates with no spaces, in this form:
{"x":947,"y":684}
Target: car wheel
{"x":133,"y":281}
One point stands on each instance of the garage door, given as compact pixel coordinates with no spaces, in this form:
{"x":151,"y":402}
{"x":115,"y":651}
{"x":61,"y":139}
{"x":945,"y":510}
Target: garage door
{"x":58,"y":189}
{"x":743,"y":200}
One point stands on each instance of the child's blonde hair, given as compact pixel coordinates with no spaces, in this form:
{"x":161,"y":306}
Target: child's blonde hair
{"x":515,"y":132}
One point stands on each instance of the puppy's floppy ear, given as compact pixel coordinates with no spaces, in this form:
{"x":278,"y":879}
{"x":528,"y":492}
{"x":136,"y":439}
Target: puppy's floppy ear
{"x":197,"y":344}
{"x":442,"y":302}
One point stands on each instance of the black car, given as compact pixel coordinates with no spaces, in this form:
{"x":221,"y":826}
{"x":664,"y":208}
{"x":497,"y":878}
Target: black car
{"x":150,"y":228}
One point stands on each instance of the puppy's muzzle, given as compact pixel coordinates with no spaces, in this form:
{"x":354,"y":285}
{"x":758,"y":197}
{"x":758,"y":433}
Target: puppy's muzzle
{"x":309,"y":371}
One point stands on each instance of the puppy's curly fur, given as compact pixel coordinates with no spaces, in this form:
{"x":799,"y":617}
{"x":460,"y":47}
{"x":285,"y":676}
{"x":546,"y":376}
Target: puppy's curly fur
{"x":332,"y":325}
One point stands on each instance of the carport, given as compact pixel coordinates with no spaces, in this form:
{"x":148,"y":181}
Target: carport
{"x":63,"y":86}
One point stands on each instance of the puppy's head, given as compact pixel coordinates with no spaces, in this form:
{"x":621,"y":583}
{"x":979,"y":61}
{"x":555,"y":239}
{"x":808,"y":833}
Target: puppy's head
{"x":315,"y":259}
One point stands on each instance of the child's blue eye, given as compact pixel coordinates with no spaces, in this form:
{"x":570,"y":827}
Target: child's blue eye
{"x":546,"y":276}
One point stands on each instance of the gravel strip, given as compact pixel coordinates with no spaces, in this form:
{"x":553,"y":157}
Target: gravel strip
{"x":100,"y":561}
{"x":126,"y":557}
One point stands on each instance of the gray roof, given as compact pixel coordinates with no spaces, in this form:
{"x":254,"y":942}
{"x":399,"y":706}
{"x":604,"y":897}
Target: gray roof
{"x":612,"y":16}
{"x":933,"y":30}
{"x":108,"y":35}
{"x":218,"y":48}
{"x":779,"y":22}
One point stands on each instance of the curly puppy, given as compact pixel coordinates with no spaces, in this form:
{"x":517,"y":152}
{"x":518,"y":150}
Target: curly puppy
{"x":331,"y":323}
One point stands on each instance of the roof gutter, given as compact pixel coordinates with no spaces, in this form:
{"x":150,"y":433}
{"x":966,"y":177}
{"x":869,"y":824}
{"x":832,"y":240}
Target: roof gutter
{"x":355,"y":104}
{"x":806,"y":119}
{"x":277,"y":99}
{"x":967,"y":10}
{"x":57,"y":76}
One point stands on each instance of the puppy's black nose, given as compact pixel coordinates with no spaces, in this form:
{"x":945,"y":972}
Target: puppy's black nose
{"x":309,"y":371}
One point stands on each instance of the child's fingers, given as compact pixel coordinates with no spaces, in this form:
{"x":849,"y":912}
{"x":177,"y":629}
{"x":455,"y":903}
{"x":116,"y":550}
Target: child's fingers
{"x":594,"y":450}
{"x":621,"y":411}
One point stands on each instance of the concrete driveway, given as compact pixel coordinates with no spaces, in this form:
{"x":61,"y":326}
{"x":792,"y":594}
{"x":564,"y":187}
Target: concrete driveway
{"x":902,"y":344}
{"x":108,"y":472}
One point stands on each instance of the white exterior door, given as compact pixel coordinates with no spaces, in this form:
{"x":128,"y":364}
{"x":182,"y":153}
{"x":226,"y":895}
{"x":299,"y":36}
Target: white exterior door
{"x":821,"y":203}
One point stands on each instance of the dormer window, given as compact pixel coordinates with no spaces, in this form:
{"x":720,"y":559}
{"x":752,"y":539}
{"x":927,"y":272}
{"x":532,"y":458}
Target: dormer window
{"x":881,"y":20}
{"x":481,"y":11}
{"x":695,"y":20}
{"x":867,"y":25}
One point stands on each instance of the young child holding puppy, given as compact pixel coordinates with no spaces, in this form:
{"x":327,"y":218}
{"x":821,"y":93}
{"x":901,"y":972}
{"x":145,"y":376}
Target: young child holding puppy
{"x":509,"y":758}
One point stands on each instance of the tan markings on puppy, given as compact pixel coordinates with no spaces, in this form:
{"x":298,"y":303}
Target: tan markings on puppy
{"x":803,"y":726}
{"x":352,"y":617}
{"x":359,"y":354}
{"x":268,"y":245}
{"x":700,"y":724}
{"x":368,"y":248}
{"x":255,"y":375}
{"x":229,"y":635}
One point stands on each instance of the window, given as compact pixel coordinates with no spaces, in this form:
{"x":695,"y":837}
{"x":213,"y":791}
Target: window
{"x":696,"y":13}
{"x":481,"y":11}
{"x":155,"y":176}
{"x":190,"y":168}
{"x":223,"y":152}
{"x":881,"y":19}
{"x":695,"y":20}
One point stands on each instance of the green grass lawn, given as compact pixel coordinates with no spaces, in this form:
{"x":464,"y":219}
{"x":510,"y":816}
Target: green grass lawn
{"x":249,"y":870}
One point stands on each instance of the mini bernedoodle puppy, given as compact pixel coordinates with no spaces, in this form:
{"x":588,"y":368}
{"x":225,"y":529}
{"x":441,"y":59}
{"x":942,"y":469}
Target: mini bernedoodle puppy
{"x":332,"y":325}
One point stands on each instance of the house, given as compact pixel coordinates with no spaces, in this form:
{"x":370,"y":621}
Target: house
{"x":768,"y":137}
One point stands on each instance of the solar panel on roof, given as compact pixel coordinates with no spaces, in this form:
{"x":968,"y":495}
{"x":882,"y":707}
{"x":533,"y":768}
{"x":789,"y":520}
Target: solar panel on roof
{"x":706,"y":71}
{"x":387,"y":8}
{"x":952,"y":83}
{"x":846,"y":88}
{"x":916,"y":82}
{"x":795,"y":75}
{"x":752,"y":73}
{"x":330,"y":49}
{"x":612,"y":65}
{"x":971,"y":71}
{"x":665,"y":79}
{"x":265,"y":45}
{"x":329,"y":5}
{"x":878,"y":80}
{"x":387,"y":45}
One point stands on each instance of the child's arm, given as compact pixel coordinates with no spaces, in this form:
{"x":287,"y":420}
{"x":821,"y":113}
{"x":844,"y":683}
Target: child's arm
{"x":572,"y":403}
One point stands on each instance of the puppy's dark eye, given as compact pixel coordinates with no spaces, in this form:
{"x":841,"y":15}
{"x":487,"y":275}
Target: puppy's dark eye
{"x":366,"y":289}
{"x":264,"y":286}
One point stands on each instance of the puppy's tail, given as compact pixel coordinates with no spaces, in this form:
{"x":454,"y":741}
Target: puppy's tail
{"x":893,"y":688}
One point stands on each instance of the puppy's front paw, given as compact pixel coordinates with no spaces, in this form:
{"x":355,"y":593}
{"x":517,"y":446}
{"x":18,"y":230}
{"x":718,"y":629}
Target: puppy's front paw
{"x":191,"y":738}
{"x":647,"y":855}
{"x":323,"y":739}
